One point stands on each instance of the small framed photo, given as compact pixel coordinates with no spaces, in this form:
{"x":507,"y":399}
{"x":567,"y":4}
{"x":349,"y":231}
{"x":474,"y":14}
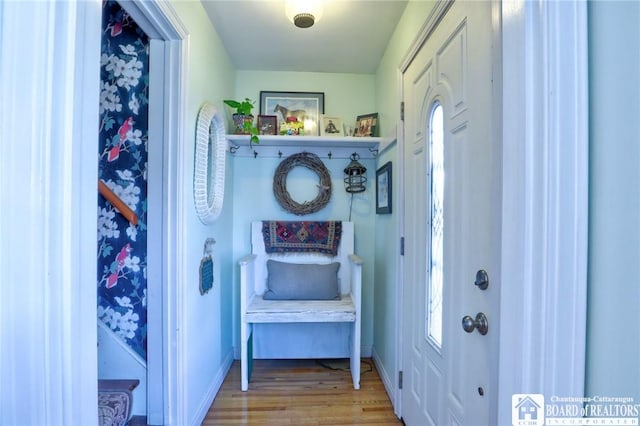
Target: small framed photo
{"x":331,"y":126}
{"x":297,"y":109}
{"x":267,"y":124}
{"x":383,"y":189}
{"x":367,"y":125}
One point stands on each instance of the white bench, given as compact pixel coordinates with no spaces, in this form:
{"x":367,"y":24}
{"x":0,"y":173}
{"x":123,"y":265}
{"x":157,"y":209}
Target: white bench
{"x":311,"y":317}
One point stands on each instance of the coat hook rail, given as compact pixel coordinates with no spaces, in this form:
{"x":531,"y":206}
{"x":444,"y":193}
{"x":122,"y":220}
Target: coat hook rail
{"x":116,"y":202}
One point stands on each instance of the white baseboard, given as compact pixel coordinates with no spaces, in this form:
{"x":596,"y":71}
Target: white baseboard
{"x":216,"y":384}
{"x":386,"y":379}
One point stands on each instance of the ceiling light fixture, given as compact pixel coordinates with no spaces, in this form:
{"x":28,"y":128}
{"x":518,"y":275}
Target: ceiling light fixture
{"x":303,"y":13}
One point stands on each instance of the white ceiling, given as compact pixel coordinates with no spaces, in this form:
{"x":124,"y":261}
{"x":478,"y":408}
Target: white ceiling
{"x":350,"y":37}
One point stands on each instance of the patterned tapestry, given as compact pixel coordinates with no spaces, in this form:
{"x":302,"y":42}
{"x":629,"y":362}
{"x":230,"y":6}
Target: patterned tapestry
{"x":301,"y":236}
{"x":124,"y":116}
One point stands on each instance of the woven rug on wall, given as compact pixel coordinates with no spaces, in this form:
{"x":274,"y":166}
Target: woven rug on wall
{"x":302,"y":236}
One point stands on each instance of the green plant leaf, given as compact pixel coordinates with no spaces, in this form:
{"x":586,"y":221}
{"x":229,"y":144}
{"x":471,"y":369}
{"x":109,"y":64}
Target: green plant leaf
{"x":232,"y":103}
{"x":254,"y":135}
{"x":242,"y":108}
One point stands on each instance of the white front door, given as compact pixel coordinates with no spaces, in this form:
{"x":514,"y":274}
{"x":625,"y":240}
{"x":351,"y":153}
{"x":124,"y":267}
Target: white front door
{"x":451,"y":224}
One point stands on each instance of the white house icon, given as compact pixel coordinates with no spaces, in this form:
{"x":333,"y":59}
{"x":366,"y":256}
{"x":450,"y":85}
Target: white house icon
{"x":527,"y":409}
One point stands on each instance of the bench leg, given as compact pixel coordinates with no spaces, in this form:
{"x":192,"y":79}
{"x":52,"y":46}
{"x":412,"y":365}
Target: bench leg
{"x":245,"y":335}
{"x":355,"y":355}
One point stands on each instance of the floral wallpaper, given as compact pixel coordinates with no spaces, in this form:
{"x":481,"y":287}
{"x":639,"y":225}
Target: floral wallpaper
{"x":124,"y":116}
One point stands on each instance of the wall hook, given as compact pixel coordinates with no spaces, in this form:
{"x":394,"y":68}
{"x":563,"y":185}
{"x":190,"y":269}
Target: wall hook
{"x":255,"y":154}
{"x":279,"y":154}
{"x":374,"y":151}
{"x":330,"y":154}
{"x":208,"y":247}
{"x":233,"y":148}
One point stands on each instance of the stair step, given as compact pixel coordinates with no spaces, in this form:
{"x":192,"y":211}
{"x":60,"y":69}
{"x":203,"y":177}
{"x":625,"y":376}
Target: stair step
{"x":117,"y":384}
{"x":137,"y":421}
{"x":115,"y":399}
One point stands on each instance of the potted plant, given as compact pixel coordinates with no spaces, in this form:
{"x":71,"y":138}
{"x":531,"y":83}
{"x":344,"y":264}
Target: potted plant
{"x":243,"y":118}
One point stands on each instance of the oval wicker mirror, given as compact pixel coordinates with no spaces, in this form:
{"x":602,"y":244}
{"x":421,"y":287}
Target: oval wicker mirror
{"x":209,"y":168}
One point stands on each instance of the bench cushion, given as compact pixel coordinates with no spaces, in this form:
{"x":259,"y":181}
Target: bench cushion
{"x":301,"y":281}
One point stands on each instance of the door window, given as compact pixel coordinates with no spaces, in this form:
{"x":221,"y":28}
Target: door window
{"x":436,"y":197}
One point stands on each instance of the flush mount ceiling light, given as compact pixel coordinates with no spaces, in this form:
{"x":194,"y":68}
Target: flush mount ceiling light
{"x":303,"y":13}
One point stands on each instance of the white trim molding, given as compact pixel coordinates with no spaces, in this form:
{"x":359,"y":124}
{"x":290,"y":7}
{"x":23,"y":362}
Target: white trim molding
{"x":49,"y":101}
{"x":389,"y":384}
{"x":440,"y":8}
{"x":545,"y":177}
{"x":165,"y":359}
{"x":436,"y":14}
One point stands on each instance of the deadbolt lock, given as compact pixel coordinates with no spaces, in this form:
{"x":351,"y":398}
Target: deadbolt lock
{"x":482,"y":279}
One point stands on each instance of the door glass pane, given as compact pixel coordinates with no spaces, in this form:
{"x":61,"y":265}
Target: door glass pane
{"x":436,"y":163}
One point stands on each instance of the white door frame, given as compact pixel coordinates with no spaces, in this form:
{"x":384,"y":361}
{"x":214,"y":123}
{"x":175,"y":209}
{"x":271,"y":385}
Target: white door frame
{"x":438,"y":11}
{"x":49,"y":99}
{"x":545,"y":200}
{"x":544,"y":122}
{"x":165,"y":366}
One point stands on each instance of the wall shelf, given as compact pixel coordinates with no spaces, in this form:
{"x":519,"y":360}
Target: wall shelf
{"x":323,"y":147}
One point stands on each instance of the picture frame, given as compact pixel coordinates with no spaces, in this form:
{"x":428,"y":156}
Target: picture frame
{"x":331,"y":126}
{"x":305,"y":107}
{"x":384,"y":189}
{"x":267,"y":124}
{"x":367,"y":125}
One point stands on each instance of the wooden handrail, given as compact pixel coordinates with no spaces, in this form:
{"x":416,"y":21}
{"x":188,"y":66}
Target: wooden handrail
{"x":116,"y":202}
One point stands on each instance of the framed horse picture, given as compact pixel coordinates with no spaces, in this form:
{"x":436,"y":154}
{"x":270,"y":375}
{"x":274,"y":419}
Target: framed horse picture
{"x":298,"y":112}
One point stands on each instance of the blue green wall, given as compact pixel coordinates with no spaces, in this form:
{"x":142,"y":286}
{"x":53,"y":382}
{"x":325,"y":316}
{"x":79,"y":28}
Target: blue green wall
{"x":613,"y":338}
{"x":206,"y":325}
{"x":346,"y":96}
{"x":387,"y":226}
{"x":614,"y":296}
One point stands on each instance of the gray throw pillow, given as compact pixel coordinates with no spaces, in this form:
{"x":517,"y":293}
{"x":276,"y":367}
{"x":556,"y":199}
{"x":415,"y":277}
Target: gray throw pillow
{"x":298,"y":281}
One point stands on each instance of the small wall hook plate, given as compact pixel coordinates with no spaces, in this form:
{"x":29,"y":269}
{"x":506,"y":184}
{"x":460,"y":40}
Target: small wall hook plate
{"x":206,"y":275}
{"x":206,"y":266}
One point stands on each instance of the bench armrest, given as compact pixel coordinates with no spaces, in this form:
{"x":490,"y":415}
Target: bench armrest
{"x":247,"y":259}
{"x":247,"y":281}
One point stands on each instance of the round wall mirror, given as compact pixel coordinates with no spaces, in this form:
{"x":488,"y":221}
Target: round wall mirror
{"x":209,"y":168}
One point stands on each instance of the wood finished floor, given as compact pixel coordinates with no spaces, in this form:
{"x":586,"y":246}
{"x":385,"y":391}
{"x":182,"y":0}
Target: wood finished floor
{"x":302,"y":392}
